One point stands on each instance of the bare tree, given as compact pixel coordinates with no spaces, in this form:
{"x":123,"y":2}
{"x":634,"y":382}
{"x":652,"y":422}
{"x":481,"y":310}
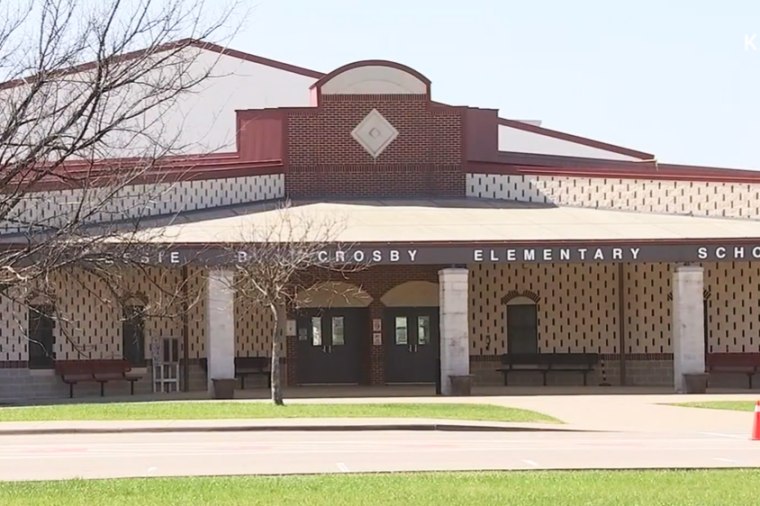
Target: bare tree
{"x":84,"y":140}
{"x":280,"y":257}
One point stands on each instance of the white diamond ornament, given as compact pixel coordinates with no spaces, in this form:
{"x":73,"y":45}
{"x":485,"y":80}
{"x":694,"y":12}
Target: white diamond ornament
{"x":374,"y":133}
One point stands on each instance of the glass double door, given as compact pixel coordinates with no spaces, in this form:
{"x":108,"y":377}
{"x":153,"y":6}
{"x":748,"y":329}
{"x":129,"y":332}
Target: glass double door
{"x":411,"y":344}
{"x":328,"y":345}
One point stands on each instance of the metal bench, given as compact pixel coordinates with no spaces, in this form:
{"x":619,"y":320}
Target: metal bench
{"x":99,"y":370}
{"x":546,"y":362}
{"x":733,"y":363}
{"x":248,"y":366}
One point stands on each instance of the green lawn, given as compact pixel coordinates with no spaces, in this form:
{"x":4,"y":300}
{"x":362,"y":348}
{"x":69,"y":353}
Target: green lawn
{"x":730,"y":405}
{"x":566,"y":488}
{"x":197,"y":410}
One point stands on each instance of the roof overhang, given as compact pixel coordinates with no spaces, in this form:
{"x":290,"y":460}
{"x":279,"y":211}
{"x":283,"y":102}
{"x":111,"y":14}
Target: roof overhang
{"x":458,"y":231}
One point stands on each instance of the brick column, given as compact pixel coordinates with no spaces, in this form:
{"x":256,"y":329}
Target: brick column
{"x":376,"y":353}
{"x":291,"y":359}
{"x":220,"y":326}
{"x":455,"y":335}
{"x":688,"y":323}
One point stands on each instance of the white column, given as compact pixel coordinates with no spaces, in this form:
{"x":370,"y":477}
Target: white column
{"x":688,"y":323}
{"x":220,"y":326}
{"x":455,"y":329}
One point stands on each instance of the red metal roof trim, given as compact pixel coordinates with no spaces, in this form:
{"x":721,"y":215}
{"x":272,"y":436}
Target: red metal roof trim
{"x":179,"y":44}
{"x":171,"y":169}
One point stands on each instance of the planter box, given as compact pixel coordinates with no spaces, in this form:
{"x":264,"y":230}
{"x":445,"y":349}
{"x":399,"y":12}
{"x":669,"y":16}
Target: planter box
{"x":224,"y":388}
{"x":461,"y":385}
{"x":695,"y":383}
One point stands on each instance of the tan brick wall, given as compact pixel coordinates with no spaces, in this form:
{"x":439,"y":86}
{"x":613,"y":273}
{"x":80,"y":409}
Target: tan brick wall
{"x":196,"y":318}
{"x":89,"y":314}
{"x":577,"y":311}
{"x":161,"y":290}
{"x":736,"y":200}
{"x":13,"y":345}
{"x":50,"y":207}
{"x":647,"y":308}
{"x":254,"y":326}
{"x":577,"y":306}
{"x":733,"y":290}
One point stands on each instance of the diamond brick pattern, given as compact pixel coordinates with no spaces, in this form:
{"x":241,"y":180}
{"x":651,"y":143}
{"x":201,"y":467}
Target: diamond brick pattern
{"x":49,"y":208}
{"x":733,"y":306}
{"x":374,"y":133}
{"x":577,"y":308}
{"x":89,"y":315}
{"x":698,"y":198}
{"x":647,"y":310}
{"x":254,"y":326}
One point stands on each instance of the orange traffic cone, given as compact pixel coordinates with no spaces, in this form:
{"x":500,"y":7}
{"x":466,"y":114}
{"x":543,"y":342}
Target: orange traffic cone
{"x":756,"y":424}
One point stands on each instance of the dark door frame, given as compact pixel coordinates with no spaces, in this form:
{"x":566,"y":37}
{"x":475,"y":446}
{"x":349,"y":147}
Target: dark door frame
{"x":330,"y":362}
{"x":408,"y":363}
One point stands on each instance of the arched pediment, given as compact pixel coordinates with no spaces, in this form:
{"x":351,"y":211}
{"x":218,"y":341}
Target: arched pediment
{"x":373,"y":77}
{"x":412,"y":294}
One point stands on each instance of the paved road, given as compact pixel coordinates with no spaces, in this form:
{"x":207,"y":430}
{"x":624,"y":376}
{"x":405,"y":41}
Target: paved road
{"x":36,"y":457}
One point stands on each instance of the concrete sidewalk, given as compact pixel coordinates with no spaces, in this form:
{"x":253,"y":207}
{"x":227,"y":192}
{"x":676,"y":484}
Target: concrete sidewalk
{"x":269,"y":424}
{"x":579,"y":412}
{"x":640,"y":413}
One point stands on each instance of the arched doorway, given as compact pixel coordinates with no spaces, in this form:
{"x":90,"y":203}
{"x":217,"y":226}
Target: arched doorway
{"x":411,"y":326}
{"x":332,"y":321}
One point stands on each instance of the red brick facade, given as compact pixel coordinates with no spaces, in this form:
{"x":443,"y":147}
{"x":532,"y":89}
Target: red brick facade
{"x":325,"y":161}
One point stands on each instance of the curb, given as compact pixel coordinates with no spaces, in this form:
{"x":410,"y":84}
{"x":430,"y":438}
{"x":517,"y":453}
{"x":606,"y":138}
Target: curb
{"x":282,"y":428}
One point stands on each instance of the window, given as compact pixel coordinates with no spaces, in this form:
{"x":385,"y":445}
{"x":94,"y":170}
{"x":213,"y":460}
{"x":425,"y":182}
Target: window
{"x":522,"y":326}
{"x":401,"y":330}
{"x":316,"y":331}
{"x":423,"y":330}
{"x":338,"y":337}
{"x":41,"y":337}
{"x":133,"y":335}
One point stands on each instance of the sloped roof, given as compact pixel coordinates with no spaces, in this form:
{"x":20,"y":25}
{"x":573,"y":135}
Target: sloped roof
{"x":446,"y":221}
{"x":208,"y":46}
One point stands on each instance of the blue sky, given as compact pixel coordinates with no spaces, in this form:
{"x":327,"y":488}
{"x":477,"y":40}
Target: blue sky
{"x":673,"y":77}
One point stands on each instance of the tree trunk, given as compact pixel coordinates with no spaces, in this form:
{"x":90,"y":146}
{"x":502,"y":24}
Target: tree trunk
{"x":278,"y":312}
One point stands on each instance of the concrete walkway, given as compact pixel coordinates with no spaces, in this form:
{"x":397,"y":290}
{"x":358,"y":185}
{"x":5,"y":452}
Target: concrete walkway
{"x":270,"y":424}
{"x":638,"y":413}
{"x":628,"y":411}
{"x":601,"y":431}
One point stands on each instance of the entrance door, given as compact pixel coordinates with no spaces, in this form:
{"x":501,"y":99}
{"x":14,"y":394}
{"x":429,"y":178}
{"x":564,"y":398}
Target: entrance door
{"x":328,"y":345}
{"x":411,"y":344}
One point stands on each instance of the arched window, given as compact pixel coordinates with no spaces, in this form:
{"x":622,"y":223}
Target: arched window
{"x":133,"y":333}
{"x":522,"y":325}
